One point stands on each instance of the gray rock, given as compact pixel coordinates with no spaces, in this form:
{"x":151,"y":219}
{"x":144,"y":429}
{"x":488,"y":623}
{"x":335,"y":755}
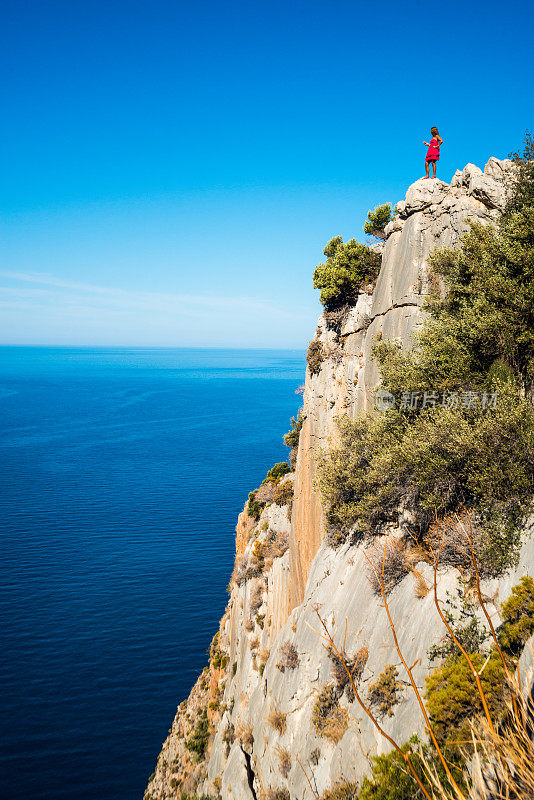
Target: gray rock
{"x":424,"y":193}
{"x":457,"y":179}
{"x":499,"y":169}
{"x":488,"y":190}
{"x":468,"y":172}
{"x":401,"y":208}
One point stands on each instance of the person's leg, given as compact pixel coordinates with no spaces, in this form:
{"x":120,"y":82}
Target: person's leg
{"x":434,"y":169}
{"x":426,"y":168}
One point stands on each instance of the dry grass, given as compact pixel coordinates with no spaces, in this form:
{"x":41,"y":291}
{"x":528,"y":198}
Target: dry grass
{"x":240,"y":569}
{"x":514,"y":748}
{"x":276,"y":545}
{"x":328,"y":718}
{"x":245,"y":569}
{"x":283,"y":493}
{"x":249,"y":625}
{"x":388,"y":562}
{"x":336,"y":725}
{"x":276,"y":719}
{"x":243,"y":732}
{"x":284,"y":761}
{"x":265,"y":493}
{"x":384,"y":694}
{"x":256,"y":599}
{"x":281,"y":793}
{"x":254,"y":644}
{"x":354,"y":666}
{"x":344,"y":790}
{"x":289,"y":657}
{"x":452,"y":535}
{"x":502,"y":767}
{"x":421,"y":587}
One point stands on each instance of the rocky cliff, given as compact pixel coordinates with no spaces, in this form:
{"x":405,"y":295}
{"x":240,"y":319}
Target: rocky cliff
{"x":248,"y":720}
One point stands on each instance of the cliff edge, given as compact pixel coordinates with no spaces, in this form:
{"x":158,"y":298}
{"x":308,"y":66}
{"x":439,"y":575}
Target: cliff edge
{"x":249,"y":724}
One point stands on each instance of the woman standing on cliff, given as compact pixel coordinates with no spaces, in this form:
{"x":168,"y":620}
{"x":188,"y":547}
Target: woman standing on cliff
{"x":432,"y":155}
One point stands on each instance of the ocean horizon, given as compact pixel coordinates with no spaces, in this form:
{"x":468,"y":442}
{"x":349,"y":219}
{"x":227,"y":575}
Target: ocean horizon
{"x":124,"y":471}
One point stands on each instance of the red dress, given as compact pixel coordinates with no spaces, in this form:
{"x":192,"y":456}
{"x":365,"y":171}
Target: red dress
{"x":433,"y":150}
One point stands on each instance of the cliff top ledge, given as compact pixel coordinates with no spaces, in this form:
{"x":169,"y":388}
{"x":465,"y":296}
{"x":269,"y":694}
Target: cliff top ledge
{"x":487,"y":186}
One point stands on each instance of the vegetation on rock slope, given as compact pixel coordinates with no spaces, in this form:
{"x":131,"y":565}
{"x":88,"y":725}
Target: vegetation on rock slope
{"x":346,"y":268}
{"x":377,"y":221}
{"x":469,"y":440}
{"x":437,"y":461}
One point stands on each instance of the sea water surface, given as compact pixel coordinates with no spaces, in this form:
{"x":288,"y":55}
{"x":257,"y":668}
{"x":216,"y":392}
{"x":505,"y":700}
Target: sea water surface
{"x":123,"y":471}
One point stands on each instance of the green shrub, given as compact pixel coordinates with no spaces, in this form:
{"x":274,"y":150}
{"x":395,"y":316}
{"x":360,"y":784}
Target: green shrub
{"x":441,"y":460}
{"x":347,"y":267}
{"x":219,"y":660}
{"x":275,"y":473}
{"x":328,"y":718}
{"x":443,"y":454}
{"x":392,"y":780}
{"x":518,"y":617}
{"x":452,"y":699}
{"x":523,"y":183}
{"x":198,"y":741}
{"x":377,"y":220}
{"x":315,"y":356}
{"x":462,"y":617}
{"x":291,"y":439}
{"x":385,"y":693}
{"x":254,"y":507}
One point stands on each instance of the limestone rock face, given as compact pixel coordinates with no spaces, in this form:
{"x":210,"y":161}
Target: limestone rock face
{"x":434,"y":214}
{"x":261,"y":694}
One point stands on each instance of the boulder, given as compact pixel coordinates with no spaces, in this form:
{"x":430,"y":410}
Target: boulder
{"x":499,"y":169}
{"x":468,"y":172}
{"x":488,"y":190}
{"x":425,"y":193}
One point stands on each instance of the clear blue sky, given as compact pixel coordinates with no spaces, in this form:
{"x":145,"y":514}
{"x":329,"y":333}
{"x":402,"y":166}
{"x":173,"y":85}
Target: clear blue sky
{"x":171,"y":171}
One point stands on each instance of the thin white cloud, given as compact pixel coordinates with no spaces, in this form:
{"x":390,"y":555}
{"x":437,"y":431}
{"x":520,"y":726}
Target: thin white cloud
{"x":106,"y":296}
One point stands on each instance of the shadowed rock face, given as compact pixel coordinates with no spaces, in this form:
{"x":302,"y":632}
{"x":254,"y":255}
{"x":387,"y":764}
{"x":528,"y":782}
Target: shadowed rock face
{"x":300,"y":573}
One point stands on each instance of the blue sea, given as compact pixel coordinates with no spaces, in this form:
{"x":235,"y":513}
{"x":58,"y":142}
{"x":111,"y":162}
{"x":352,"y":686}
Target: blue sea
{"x":123,"y":471}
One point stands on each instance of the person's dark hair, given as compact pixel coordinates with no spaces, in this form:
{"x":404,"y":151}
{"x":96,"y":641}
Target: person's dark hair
{"x":434,"y":131}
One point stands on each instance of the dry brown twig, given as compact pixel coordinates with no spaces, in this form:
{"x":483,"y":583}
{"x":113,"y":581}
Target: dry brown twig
{"x":412,"y":679}
{"x":312,"y":790}
{"x":508,"y":753}
{"x":341,"y":655}
{"x":475,"y":672}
